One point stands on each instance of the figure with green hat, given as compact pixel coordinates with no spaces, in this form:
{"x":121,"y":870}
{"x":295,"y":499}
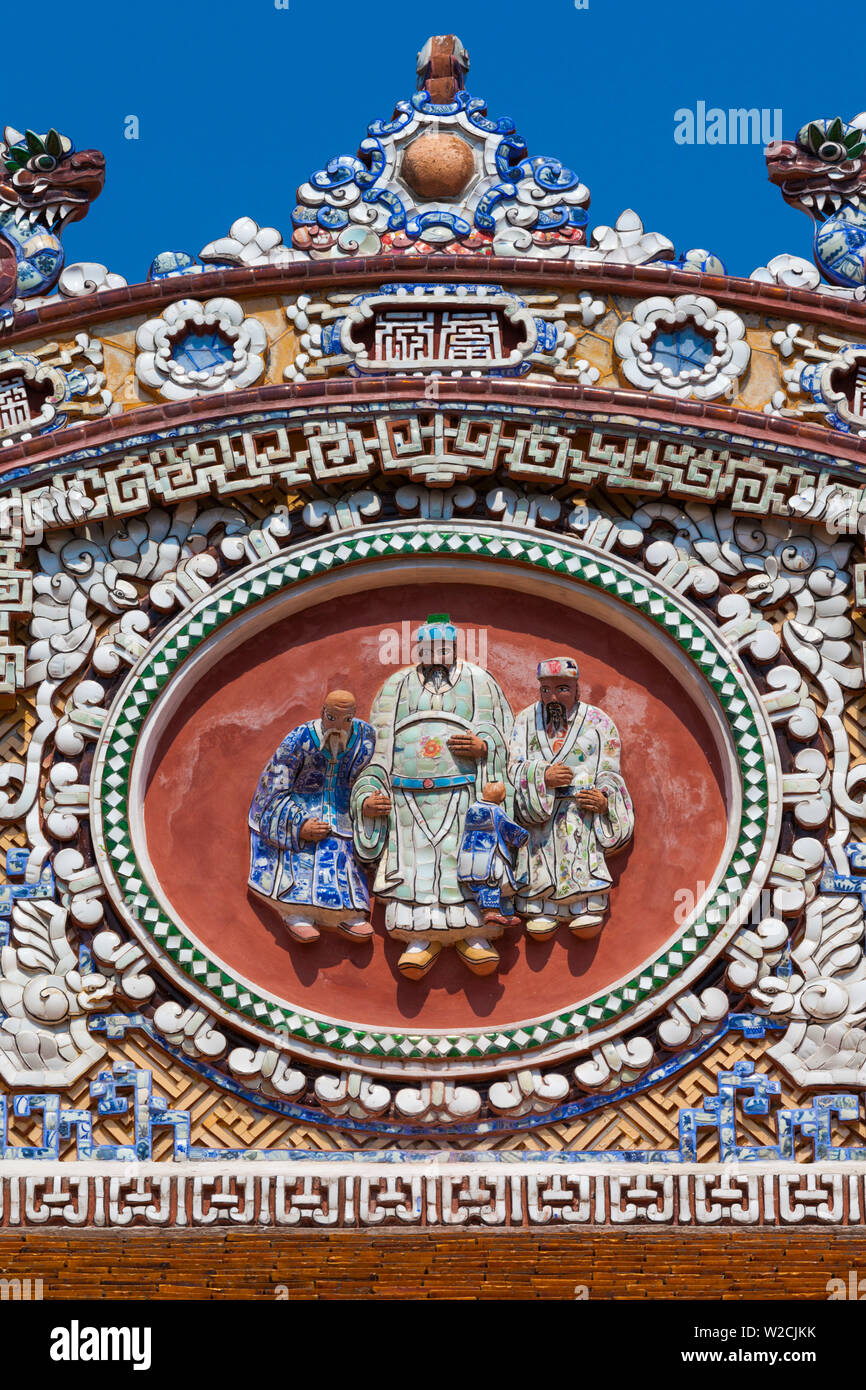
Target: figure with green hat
{"x":442,"y":728}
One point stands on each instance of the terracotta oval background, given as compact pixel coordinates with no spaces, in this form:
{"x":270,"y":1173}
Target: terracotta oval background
{"x":211,"y":753}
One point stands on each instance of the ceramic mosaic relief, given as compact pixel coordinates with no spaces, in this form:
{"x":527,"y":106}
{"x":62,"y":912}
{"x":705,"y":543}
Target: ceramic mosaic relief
{"x":432,"y":702}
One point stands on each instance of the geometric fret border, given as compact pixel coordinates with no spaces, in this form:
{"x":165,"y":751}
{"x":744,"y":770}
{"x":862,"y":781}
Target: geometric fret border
{"x":747,"y":863}
{"x":354,"y":1195}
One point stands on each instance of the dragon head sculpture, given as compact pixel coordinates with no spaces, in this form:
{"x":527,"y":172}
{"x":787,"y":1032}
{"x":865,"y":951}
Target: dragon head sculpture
{"x":44,"y":184}
{"x":44,"y":178}
{"x":823,"y":174}
{"x":822,"y":168}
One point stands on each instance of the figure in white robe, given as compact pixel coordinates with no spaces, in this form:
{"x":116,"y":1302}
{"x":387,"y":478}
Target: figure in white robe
{"x":564,"y":765}
{"x":442,"y":731}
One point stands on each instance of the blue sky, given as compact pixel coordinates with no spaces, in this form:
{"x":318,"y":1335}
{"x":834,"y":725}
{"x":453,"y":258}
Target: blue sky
{"x":239,"y":102}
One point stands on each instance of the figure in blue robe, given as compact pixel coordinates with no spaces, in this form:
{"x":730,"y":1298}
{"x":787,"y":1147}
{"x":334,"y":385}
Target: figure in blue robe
{"x":302,"y":837}
{"x":489,"y":855}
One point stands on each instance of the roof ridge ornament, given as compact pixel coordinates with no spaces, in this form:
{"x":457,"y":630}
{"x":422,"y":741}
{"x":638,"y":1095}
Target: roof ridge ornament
{"x":442,"y":176}
{"x":822,"y":172}
{"x":442,"y":67}
{"x":44,"y":184}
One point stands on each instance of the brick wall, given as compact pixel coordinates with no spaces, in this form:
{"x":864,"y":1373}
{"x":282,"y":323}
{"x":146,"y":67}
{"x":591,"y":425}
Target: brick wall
{"x":484,"y":1265}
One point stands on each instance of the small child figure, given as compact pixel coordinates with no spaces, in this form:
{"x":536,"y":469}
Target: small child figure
{"x":485,"y":859}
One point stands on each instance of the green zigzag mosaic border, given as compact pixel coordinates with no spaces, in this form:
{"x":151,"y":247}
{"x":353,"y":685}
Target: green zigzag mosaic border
{"x":167,"y":656}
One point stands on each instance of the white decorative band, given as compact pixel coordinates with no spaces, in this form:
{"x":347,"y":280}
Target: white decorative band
{"x":420,"y":1192}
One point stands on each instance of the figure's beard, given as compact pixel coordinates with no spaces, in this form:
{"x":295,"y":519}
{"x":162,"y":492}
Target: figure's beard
{"x":437,"y":675}
{"x":336,"y":741}
{"x":555,"y":717}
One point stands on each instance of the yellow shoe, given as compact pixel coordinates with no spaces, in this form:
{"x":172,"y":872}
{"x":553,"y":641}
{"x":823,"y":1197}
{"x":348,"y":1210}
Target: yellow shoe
{"x":415,"y":963}
{"x":539,"y":928}
{"x":480,"y":956}
{"x":587,"y":926}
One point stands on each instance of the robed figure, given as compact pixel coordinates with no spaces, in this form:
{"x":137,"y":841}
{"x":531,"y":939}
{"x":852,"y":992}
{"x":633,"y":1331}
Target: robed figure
{"x":302,"y":838}
{"x":489,"y":854}
{"x":564,"y":765}
{"x":442,"y":730}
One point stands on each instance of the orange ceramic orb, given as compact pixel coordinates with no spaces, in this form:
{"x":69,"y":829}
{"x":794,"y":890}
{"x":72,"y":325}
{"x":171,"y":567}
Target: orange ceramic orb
{"x":438,"y":166}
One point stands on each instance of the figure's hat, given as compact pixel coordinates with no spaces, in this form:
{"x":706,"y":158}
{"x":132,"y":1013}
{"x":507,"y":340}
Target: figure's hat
{"x":558,"y":666}
{"x":438,"y":628}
